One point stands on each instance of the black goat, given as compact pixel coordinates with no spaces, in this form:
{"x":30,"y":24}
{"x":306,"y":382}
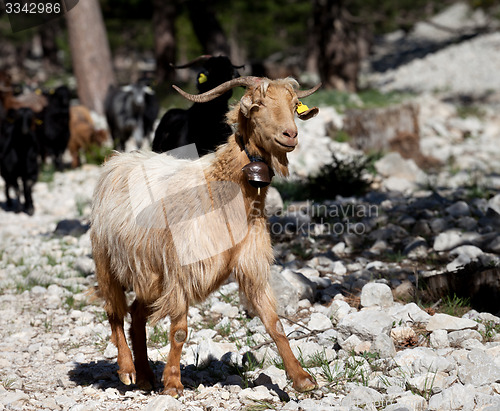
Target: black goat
{"x":151,"y":109}
{"x":53,"y":126}
{"x":203,"y":124}
{"x":130,"y":111}
{"x":19,"y":155}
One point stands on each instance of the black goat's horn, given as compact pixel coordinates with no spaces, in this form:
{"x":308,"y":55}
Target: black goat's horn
{"x":197,"y":60}
{"x":219,"y":90}
{"x":305,"y":93}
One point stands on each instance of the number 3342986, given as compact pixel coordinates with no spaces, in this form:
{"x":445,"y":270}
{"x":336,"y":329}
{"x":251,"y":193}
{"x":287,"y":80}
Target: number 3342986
{"x":32,"y":8}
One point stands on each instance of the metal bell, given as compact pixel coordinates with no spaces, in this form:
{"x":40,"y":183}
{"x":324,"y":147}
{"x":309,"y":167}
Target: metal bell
{"x":258,"y":174}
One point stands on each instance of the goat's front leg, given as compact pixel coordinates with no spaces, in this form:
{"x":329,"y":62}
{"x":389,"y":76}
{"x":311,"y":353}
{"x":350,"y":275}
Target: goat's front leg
{"x":28,"y":198}
{"x":172,"y":373}
{"x":263,"y":302}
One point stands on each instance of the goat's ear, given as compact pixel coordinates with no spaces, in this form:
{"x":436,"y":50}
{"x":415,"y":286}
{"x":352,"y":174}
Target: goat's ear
{"x":306,"y":115}
{"x":246,"y":105}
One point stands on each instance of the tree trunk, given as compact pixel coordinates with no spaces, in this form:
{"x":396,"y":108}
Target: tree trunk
{"x":339,"y":48}
{"x":90,"y":54}
{"x":164,"y":15}
{"x":207,"y":28}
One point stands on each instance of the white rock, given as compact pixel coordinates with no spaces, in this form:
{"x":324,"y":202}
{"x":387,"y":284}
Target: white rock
{"x":259,"y":393}
{"x":494,"y":203}
{"x":304,"y":287}
{"x":439,"y":339}
{"x":276,"y":375}
{"x":393,"y":165}
{"x":367,"y":325}
{"x":447,"y":240}
{"x":410,"y":402}
{"x":384,"y":346}
{"x":319,"y":321}
{"x":309,"y":271}
{"x":311,"y":350}
{"x":399,"y":184}
{"x":225,"y":309}
{"x":338,"y":268}
{"x":464,"y":255}
{"x":339,"y":248}
{"x":274,"y":202}
{"x":376,"y":294}
{"x":478,"y":369}
{"x":457,"y":397}
{"x":111,"y":351}
{"x":409,"y":314}
{"x":350,"y":343}
{"x":449,"y":323}
{"x":428,"y":382}
{"x":164,"y":402}
{"x":421,"y":360}
{"x":14,"y":400}
{"x":457,"y":338}
{"x":362,"y":397}
{"x":338,"y":310}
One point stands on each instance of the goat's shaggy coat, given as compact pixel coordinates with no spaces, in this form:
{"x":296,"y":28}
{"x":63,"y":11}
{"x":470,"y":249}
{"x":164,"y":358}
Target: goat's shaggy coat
{"x":158,"y":223}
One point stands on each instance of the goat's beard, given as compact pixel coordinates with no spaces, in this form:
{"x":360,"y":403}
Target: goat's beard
{"x":279,"y":164}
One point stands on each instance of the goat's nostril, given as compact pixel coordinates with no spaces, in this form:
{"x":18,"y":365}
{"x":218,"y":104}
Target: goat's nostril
{"x":290,"y":133}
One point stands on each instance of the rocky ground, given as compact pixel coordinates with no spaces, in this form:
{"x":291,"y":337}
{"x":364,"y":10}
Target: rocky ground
{"x":352,"y":277}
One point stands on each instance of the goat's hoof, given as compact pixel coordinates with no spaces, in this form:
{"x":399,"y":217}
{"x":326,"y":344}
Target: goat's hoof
{"x":305,"y":385}
{"x":175,"y":392}
{"x":145,"y":381}
{"x":145,"y":384}
{"x":127,"y":378}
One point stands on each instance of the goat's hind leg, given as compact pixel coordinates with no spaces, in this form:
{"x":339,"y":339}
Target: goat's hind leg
{"x":145,"y":376}
{"x":116,"y":308}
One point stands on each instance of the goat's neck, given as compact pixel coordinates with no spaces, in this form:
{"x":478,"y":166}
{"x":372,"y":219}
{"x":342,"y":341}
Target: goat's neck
{"x":230,"y":159}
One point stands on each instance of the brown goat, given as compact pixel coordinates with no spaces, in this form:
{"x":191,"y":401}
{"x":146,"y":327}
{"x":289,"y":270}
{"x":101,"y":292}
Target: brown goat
{"x":173,"y":230}
{"x":82,"y":133}
{"x":34,"y":101}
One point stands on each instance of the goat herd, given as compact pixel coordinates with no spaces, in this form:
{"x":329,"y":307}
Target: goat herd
{"x":40,"y":125}
{"x":170,"y":229}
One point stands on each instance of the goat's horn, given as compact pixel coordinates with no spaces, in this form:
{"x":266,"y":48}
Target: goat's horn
{"x":305,"y":93}
{"x":238,"y":67}
{"x":219,"y":90}
{"x":197,"y":60}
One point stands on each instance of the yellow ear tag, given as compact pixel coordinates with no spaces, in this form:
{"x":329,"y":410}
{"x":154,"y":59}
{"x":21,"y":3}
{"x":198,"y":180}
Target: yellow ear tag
{"x":52,"y":91}
{"x":38,"y":122}
{"x":38,"y":91}
{"x":301,"y":108}
{"x":202,"y":78}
